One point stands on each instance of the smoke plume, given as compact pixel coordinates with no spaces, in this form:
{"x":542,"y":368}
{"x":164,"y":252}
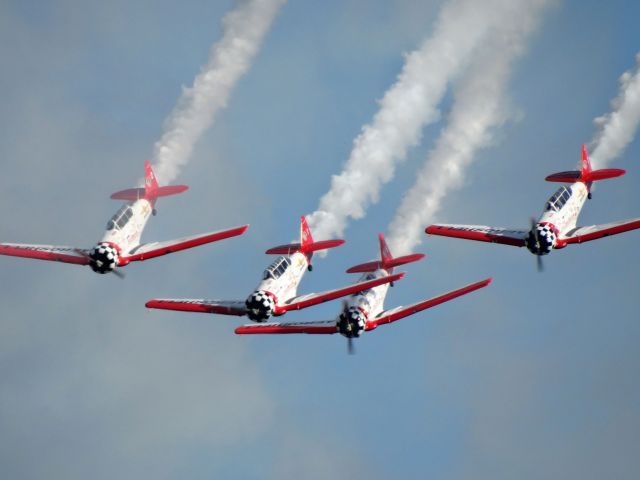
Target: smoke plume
{"x":617,"y":128}
{"x":244,"y":30}
{"x":479,"y":108}
{"x":406,"y":108}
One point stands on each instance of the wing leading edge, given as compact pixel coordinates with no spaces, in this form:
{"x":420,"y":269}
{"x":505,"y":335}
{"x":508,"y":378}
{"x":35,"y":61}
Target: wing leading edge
{"x":593,"y":232}
{"x":52,"y":253}
{"x":221,"y":307}
{"x":156,"y":249}
{"x":481,"y":233}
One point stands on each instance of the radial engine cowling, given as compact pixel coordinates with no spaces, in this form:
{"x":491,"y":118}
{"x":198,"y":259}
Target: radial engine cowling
{"x":542,"y":239}
{"x":260,"y":306}
{"x":351,"y":322}
{"x":104,"y":258}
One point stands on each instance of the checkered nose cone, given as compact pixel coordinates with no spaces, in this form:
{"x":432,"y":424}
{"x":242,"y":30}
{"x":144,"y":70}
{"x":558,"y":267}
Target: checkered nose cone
{"x":351,"y":323}
{"x":541,"y":240}
{"x":104,"y":258}
{"x":260,"y":306}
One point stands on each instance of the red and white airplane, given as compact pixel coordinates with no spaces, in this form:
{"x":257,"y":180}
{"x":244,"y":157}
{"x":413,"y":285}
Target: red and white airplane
{"x":364,"y":311}
{"x":556,"y":228}
{"x":276,"y":293}
{"x":121,"y":242}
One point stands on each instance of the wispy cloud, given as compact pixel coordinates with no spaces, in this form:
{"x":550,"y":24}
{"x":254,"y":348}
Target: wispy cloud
{"x":480,"y":106}
{"x":406,"y":108}
{"x":617,"y":128}
{"x":244,"y":30}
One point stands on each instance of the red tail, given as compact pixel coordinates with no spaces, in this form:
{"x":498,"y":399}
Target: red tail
{"x":386,"y":261}
{"x":150,"y":182}
{"x":585,"y":174}
{"x":151,"y":190}
{"x":306,"y":245}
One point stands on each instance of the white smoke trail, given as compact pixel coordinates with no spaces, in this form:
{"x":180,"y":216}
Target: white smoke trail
{"x":617,"y":128}
{"x":479,"y":107}
{"x":409,"y":105}
{"x":244,"y":30}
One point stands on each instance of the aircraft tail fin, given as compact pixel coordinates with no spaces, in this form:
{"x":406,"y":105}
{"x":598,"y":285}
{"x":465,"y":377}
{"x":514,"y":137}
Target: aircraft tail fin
{"x":306,"y":245}
{"x":387,"y":261}
{"x":586,"y":174}
{"x":151,"y":190}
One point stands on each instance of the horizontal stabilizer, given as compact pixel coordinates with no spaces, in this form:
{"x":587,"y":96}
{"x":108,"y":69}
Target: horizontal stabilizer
{"x":221,"y":307}
{"x":292,"y":248}
{"x":133,"y":194}
{"x":156,"y":249}
{"x":130,"y":195}
{"x":388,"y":264}
{"x":573,"y":176}
{"x":387,"y":261}
{"x":585,"y":174}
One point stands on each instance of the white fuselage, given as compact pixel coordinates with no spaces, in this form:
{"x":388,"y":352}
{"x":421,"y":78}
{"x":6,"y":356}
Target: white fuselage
{"x":370,"y":302}
{"x":563,"y":215}
{"x":282,"y":277}
{"x":127,"y":224}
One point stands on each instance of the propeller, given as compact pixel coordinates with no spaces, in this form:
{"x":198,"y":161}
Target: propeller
{"x":116,"y":272}
{"x":534,"y":225}
{"x":350,"y":347}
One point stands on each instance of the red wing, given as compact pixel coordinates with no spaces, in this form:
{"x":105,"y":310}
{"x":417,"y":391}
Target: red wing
{"x":318,"y":328}
{"x":585,"y":234}
{"x":222,"y":307}
{"x":46,"y":252}
{"x":156,"y":249}
{"x":395,"y":314}
{"x":308,"y":300}
{"x":480,"y":233}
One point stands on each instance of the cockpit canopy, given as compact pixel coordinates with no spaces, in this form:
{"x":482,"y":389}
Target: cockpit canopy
{"x":277,"y":268}
{"x":121,"y":218}
{"x":558,"y":199}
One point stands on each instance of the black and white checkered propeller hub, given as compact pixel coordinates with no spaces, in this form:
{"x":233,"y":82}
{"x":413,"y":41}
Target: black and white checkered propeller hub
{"x":260,"y":306}
{"x":351,"y":324}
{"x":103,"y":259}
{"x":541,"y":240}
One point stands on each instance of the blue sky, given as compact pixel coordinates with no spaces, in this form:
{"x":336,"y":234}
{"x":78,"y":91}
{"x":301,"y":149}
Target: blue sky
{"x":532,"y":377}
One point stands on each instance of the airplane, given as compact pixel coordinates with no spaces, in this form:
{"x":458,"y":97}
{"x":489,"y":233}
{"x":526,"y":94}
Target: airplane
{"x":556,"y":228}
{"x":276,"y":293}
{"x":120,"y":244}
{"x":364,"y":311}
